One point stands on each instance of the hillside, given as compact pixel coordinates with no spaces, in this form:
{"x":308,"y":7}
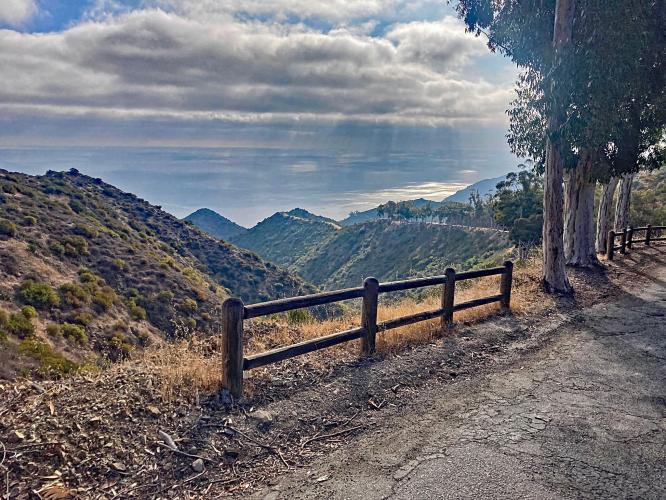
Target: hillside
{"x":394,"y":251}
{"x":215,"y":224}
{"x":286,"y":238}
{"x":484,"y":187}
{"x":97,"y":270}
{"x":333,"y":257}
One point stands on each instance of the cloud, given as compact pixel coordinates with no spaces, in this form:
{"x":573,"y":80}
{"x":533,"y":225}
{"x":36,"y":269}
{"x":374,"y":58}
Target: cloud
{"x":16,"y":12}
{"x":155,"y":64}
{"x":304,"y":167}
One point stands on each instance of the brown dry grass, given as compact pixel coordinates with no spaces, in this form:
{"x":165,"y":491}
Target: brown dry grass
{"x":188,"y":368}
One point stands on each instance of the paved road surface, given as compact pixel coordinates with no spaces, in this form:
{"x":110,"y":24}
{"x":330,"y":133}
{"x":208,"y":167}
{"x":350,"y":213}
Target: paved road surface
{"x":583,"y":418}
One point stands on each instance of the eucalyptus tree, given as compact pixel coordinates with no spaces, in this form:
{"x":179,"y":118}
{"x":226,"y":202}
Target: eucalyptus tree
{"x":583,"y":60}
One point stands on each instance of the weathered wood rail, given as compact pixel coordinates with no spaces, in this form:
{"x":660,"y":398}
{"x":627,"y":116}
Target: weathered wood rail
{"x":234,"y":313}
{"x":627,"y":240}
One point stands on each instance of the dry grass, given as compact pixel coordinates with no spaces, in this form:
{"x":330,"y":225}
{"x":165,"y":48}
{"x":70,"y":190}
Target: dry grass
{"x":183,"y":369}
{"x":187,"y":368}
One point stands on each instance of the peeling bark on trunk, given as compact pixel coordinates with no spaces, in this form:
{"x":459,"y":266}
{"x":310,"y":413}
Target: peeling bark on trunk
{"x":579,"y":215}
{"x":605,"y":214}
{"x":623,"y":203}
{"x":554,"y":272}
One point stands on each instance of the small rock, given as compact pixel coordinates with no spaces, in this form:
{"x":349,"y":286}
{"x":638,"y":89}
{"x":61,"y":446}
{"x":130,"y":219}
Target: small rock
{"x":120,"y":467}
{"x":198,"y":465}
{"x":154,"y":411}
{"x":264,"y":419}
{"x":16,"y":436}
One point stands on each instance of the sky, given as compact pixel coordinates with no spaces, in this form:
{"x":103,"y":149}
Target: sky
{"x":249,"y":107}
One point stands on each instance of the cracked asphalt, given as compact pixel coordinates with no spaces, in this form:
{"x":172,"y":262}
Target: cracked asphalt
{"x":583,"y":417}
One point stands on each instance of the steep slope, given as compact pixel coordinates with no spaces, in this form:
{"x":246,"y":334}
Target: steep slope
{"x":215,"y":224}
{"x":391,"y":251}
{"x":285,"y":238}
{"x":484,"y":187}
{"x":103,"y":271}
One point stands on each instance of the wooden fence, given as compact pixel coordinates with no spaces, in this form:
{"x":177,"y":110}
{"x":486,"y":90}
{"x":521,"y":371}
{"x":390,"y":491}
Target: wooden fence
{"x":234,"y":313}
{"x":627,"y":238}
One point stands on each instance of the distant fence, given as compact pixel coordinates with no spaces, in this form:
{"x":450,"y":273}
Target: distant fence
{"x":234,"y":313}
{"x":652,"y":233}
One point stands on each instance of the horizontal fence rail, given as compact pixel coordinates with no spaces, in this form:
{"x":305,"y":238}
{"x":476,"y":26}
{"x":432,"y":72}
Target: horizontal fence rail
{"x":627,"y":240}
{"x":234,"y":313}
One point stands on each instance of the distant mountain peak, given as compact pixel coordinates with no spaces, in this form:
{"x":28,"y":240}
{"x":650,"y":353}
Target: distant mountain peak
{"x":215,"y":224}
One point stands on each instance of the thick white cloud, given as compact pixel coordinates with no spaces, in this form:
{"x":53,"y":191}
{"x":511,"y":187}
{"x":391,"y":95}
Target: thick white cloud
{"x":153,"y":63}
{"x":16,"y":12}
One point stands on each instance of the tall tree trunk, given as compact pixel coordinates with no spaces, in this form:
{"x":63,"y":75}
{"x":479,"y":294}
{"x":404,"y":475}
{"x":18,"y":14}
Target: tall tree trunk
{"x":579,"y":214}
{"x":554,"y":272}
{"x":623,"y":202}
{"x":605,"y":214}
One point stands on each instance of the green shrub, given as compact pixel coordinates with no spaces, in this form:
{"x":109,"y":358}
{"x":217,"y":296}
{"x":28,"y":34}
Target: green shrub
{"x":75,"y":333}
{"x":37,"y":294}
{"x":20,"y":326}
{"x":87,"y":231}
{"x":189,"y":305}
{"x":57,"y":248}
{"x":83,"y":318}
{"x":87,"y":276}
{"x":53,"y":330}
{"x":76,"y":206}
{"x":7,"y":227}
{"x":29,"y":312}
{"x":137,"y":313}
{"x":50,"y":362}
{"x":74,"y":295}
{"x":104,"y":297}
{"x":118,"y":264}
{"x":75,"y":246}
{"x":299,"y":316}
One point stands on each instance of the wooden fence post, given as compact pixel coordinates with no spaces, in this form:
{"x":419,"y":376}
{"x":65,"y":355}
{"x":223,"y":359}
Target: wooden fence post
{"x":505,"y":286}
{"x":610,"y":245}
{"x":369,"y":315}
{"x":630,"y":236}
{"x":233,"y":311}
{"x":448,"y":296}
{"x":648,"y":234}
{"x":623,"y":241}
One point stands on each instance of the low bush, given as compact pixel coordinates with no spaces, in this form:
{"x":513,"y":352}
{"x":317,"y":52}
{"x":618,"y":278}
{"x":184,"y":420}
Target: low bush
{"x":104,"y":298}
{"x":53,"y":330}
{"x":189,"y":305}
{"x":83,"y":318}
{"x":50,"y":362}
{"x":20,"y":325}
{"x":75,"y":333}
{"x":29,"y":312}
{"x":75,"y":246}
{"x":57,"y":248}
{"x":7,"y":227}
{"x":74,"y":295}
{"x":87,"y":231}
{"x":39,"y":295}
{"x":137,"y":312}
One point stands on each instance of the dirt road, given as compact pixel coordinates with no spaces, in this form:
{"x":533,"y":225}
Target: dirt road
{"x":582,"y":417}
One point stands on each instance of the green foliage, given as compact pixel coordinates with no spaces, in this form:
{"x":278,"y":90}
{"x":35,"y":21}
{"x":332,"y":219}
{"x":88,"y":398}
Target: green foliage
{"x":74,"y":295}
{"x":189,"y":305}
{"x":51,"y":363}
{"x":53,"y":330}
{"x":86,"y":231}
{"x":29,"y":312}
{"x":517,"y":206}
{"x":104,"y":298}
{"x":74,"y":333}
{"x":20,"y":325}
{"x":137,"y":312}
{"x":83,"y":318}
{"x":118,"y":264}
{"x":57,"y":248}
{"x":39,"y":295}
{"x":299,"y":316}
{"x":75,"y":246}
{"x":7,"y":228}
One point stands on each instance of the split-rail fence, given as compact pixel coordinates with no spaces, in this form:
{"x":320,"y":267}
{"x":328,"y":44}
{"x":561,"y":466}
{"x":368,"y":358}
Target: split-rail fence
{"x":235,"y":313}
